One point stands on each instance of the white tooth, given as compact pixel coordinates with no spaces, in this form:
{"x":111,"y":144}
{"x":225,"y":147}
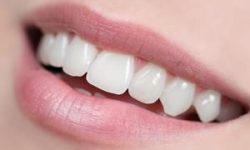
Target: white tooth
{"x":111,"y":72}
{"x":148,"y":84}
{"x":229,"y":110}
{"x":177,"y":97}
{"x":84,"y":92}
{"x":57,"y":53}
{"x":79,"y":56}
{"x":207,"y":105}
{"x":45,"y":48}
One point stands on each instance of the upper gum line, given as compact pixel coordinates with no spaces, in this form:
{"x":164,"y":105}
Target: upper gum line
{"x":145,"y":81}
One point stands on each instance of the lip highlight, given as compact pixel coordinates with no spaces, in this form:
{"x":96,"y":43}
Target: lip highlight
{"x":56,"y":105}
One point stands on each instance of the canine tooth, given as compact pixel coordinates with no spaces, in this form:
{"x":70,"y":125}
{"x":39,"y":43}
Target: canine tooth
{"x":177,"y":97}
{"x":207,"y":105}
{"x":79,"y":55}
{"x":229,"y":110}
{"x":111,"y":72}
{"x":45,"y":48}
{"x":148,"y":84}
{"x":57,"y":53}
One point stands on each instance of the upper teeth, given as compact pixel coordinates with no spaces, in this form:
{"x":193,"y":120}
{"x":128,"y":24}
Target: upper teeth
{"x":79,"y":55}
{"x":115,"y":73}
{"x":177,"y":97}
{"x":207,"y":105}
{"x":148,"y":83}
{"x":111,"y":72}
{"x":58,"y":46}
{"x":45,"y":47}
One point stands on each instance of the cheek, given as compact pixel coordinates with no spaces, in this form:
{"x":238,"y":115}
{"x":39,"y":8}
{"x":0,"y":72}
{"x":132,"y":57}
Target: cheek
{"x":10,"y":50}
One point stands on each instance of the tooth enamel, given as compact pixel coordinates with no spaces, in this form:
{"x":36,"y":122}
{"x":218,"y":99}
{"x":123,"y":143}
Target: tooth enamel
{"x":57,"y":52}
{"x":79,"y":56}
{"x":45,"y":48}
{"x":229,"y":110}
{"x":111,"y":72}
{"x":148,"y":84}
{"x":207,"y":105}
{"x":177,"y":97}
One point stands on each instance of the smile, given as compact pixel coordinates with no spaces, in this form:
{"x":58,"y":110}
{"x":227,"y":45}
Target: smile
{"x":99,"y":80}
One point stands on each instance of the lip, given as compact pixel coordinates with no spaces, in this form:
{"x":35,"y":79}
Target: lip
{"x":57,"y":106}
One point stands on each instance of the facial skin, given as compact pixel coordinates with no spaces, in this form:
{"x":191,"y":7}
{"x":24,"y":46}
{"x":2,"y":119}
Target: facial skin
{"x":215,"y":32}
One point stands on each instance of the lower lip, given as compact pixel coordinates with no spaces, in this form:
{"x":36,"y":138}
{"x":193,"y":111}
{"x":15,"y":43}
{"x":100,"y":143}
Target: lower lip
{"x":55,"y":105}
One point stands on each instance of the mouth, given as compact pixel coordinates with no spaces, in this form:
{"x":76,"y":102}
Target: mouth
{"x":105,"y":81}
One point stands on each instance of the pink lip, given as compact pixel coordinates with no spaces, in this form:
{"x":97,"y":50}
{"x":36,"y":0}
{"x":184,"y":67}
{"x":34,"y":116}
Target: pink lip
{"x":55,"y":105}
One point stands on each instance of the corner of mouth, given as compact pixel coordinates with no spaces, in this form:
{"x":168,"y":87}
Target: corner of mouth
{"x":128,"y":38}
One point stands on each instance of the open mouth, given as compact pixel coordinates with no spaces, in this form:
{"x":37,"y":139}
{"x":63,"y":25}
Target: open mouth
{"x":97,"y":80}
{"x":93,"y":71}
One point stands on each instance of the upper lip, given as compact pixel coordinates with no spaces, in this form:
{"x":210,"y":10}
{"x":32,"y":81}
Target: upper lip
{"x":130,"y":38}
